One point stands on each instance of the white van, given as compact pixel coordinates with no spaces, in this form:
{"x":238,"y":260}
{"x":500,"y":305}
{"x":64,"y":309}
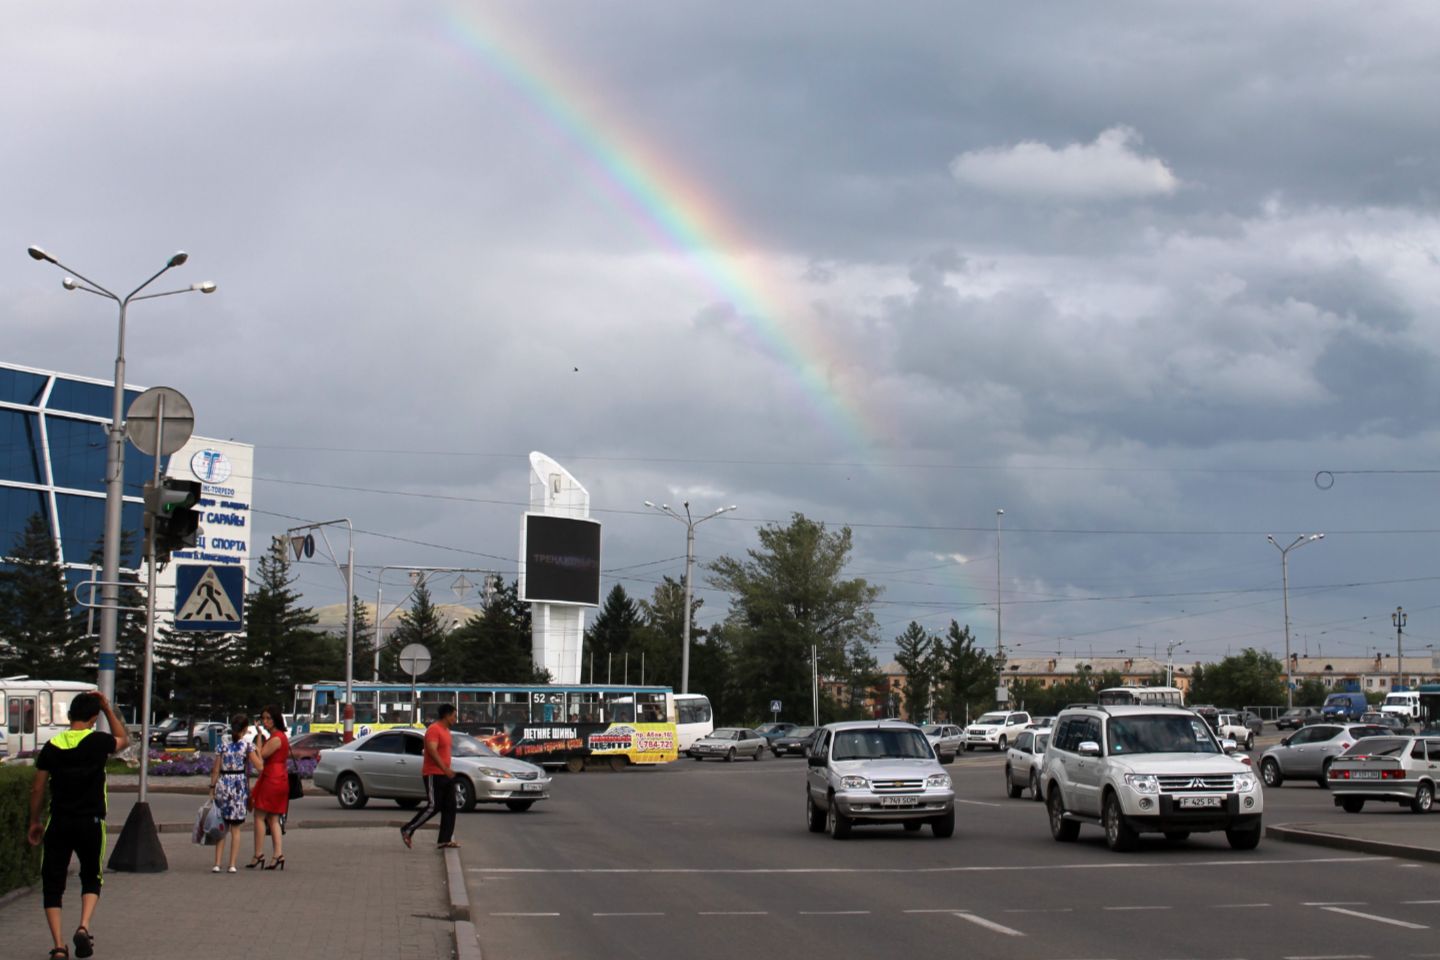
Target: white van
{"x":1405,"y":705}
{"x":33,"y":711}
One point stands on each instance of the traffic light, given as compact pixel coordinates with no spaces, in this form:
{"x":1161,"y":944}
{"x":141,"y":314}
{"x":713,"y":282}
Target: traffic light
{"x":169,"y":509}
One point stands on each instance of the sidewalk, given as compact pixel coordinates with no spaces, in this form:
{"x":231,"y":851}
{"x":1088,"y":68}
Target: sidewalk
{"x":1406,"y":837}
{"x":354,"y":893}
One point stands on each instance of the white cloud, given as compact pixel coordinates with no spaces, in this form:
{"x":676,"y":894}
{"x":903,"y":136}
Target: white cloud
{"x":1109,"y":168}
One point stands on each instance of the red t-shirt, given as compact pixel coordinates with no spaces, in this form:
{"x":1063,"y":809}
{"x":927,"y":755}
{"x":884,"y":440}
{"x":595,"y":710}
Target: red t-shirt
{"x":437,"y":734}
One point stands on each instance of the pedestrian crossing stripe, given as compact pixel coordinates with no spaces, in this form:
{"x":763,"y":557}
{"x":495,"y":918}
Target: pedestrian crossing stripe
{"x":208,"y":602}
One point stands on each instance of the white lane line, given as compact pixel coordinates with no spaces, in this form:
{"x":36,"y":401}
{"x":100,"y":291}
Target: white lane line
{"x":834,"y":913}
{"x":627,"y":914}
{"x":990,"y":925}
{"x":1040,"y":910}
{"x":1000,"y":868}
{"x":1422,"y":902}
{"x":1237,"y":906}
{"x":1333,"y":956}
{"x":734,"y":913}
{"x":1138,"y":908}
{"x":524,"y":914}
{"x":938,"y":910}
{"x":1378,"y":919}
{"x":980,"y":803}
{"x":1335,"y":903}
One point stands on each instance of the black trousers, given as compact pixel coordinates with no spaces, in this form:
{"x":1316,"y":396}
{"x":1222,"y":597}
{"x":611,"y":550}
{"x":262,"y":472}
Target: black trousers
{"x":439,"y":797}
{"x":84,"y":837}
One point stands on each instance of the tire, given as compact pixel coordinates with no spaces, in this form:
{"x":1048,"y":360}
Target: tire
{"x":464,"y":795}
{"x":1243,"y":839}
{"x":944,"y":826}
{"x":730,"y":757}
{"x":1036,"y":793}
{"x":1012,"y":791}
{"x":1324,"y":778}
{"x":1177,"y":836}
{"x":758,"y":754}
{"x":576,"y":764}
{"x":407,"y":804}
{"x":618,"y":764}
{"x":814,"y":816}
{"x":1250,"y":742}
{"x":912,"y":826}
{"x":965,"y":747}
{"x":836,"y":823}
{"x":696,"y":757}
{"x":1064,"y":831}
{"x":946,"y":761}
{"x":1352,"y":804}
{"x":1119,"y":835}
{"x":1002,"y":744}
{"x":1424,"y":798}
{"x":198,"y":744}
{"x":350,"y":793}
{"x":519,"y":806}
{"x":1270,"y":773}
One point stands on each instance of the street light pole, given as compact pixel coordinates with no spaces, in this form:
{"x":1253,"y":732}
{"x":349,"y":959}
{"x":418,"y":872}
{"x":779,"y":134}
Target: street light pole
{"x":999,"y":647}
{"x":1398,"y":618}
{"x":1285,"y":594}
{"x":349,"y":576}
{"x":115,"y":459}
{"x":690,"y":525}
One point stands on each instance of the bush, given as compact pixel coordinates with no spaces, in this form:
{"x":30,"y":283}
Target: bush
{"x":19,"y":862}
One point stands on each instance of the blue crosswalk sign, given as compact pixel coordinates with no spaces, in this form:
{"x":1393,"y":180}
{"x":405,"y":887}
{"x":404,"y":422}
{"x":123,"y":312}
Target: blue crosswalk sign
{"x":209,"y":597}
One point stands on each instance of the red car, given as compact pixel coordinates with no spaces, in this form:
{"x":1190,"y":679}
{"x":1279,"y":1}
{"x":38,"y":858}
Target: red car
{"x":307,"y":746}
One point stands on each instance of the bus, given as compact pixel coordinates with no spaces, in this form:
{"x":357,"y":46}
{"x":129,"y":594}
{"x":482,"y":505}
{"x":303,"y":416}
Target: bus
{"x":545,"y":723}
{"x":1141,"y":696}
{"x":35,"y":710}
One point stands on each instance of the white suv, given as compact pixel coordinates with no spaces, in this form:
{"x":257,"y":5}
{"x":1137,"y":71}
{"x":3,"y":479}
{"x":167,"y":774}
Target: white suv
{"x":996,"y":730}
{"x":876,"y":772}
{"x":1134,"y":770}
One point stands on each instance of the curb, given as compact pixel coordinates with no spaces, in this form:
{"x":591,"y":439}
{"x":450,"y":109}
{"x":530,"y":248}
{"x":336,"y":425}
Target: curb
{"x":467,"y":939}
{"x":1338,"y":841}
{"x":181,"y":827}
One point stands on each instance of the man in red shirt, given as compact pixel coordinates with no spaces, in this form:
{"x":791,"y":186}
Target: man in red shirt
{"x":439,"y":781}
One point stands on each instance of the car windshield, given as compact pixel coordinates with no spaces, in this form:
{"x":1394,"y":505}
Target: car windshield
{"x":1160,"y":734}
{"x":992,"y":718}
{"x":464,"y":745}
{"x":876,"y":744}
{"x":933,"y":730}
{"x":800,"y":733}
{"x":1378,"y":747}
{"x":1041,"y":742}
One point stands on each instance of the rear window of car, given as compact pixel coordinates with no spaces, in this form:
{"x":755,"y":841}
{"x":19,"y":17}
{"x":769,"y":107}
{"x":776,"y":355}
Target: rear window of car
{"x":1378,"y":747}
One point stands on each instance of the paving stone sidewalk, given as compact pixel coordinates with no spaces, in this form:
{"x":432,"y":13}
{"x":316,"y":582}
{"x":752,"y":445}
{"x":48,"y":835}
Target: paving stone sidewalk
{"x":352,"y":893}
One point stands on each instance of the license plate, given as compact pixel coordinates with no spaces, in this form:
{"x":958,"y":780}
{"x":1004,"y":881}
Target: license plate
{"x":1195,"y":803}
{"x":1365,"y":775}
{"x":898,"y":801}
{"x":531,"y":787}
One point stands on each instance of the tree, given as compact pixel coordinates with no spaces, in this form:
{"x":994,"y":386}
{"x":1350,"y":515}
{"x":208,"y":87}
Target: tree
{"x":864,"y":680}
{"x":1311,"y":693}
{"x":281,"y":649}
{"x":39,"y":635}
{"x":664,"y":631}
{"x":916,"y":653}
{"x":970,"y":674}
{"x":788,"y":595}
{"x":1251,"y":677}
{"x":615,"y":631}
{"x":495,"y":644}
{"x":422,"y":624}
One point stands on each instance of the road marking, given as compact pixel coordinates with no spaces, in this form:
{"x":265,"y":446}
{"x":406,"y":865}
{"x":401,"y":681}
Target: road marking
{"x":834,"y":913}
{"x":980,"y":803}
{"x":990,"y":925}
{"x":1137,"y":908}
{"x":1423,"y":901}
{"x":1378,"y":919}
{"x":524,"y":914}
{"x":1005,"y":868}
{"x":627,"y":914}
{"x":939,"y":910}
{"x":1335,"y":903}
{"x":734,"y":913}
{"x":1040,"y":910}
{"x":1237,"y":906}
{"x":1334,"y":956}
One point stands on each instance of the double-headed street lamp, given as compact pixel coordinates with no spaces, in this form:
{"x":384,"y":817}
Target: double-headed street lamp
{"x":115,"y":457}
{"x":1285,"y":593}
{"x":690,"y":525}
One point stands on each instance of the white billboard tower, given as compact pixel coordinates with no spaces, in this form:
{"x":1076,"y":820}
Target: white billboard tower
{"x":559,"y":567}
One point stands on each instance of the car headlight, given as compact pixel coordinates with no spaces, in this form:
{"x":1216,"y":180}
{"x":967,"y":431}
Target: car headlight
{"x":938,"y":780}
{"x":1142,"y":782}
{"x":854,"y":783}
{"x":495,"y":773}
{"x":1244,"y":782}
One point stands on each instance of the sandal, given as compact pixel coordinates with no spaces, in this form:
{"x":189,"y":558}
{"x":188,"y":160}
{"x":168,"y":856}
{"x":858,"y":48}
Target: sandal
{"x":59,"y":953}
{"x":84,"y":943}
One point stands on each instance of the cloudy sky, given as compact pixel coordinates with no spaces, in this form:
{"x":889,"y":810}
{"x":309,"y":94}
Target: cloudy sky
{"x":1133,"y":272}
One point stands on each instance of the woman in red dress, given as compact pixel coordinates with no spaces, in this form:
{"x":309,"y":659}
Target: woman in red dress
{"x":272,"y":789}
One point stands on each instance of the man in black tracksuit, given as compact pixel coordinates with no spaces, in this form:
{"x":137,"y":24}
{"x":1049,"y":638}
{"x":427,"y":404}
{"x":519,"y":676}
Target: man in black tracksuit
{"x":73,"y":765}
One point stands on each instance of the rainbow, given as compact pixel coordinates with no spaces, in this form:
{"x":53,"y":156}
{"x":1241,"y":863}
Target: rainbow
{"x":672,"y":207}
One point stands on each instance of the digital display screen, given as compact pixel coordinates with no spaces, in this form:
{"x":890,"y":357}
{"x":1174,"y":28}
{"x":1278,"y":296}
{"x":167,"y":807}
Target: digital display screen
{"x":562,"y":560}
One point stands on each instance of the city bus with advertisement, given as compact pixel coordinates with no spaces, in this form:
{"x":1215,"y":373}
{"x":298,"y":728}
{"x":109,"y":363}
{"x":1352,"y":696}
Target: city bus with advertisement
{"x":33,"y":711}
{"x":554,"y":724}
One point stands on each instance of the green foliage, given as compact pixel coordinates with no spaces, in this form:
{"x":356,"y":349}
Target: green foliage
{"x":1310,"y":693}
{"x":422,"y":624}
{"x":39,"y":635}
{"x":664,"y":631}
{"x":920,"y":655}
{"x":1251,"y":677}
{"x":281,"y":648}
{"x":495,"y":644}
{"x":19,"y":862}
{"x":616,"y":631}
{"x":968,"y":673}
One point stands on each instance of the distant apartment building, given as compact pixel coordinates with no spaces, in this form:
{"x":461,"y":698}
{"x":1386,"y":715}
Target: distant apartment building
{"x":1378,"y":674}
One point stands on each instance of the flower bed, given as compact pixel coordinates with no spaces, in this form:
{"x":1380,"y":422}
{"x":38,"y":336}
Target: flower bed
{"x":164,"y":763}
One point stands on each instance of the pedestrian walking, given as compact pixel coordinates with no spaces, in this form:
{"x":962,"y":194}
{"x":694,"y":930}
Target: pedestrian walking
{"x":230,"y":786}
{"x":72,"y":765}
{"x":272,"y":790}
{"x":439,"y":781}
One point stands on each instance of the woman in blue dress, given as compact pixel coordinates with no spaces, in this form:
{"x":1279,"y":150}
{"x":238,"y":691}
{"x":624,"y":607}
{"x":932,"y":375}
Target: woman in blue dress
{"x":230,"y":785}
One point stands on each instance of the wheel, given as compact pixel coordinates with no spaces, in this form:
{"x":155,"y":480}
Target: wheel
{"x":1035,"y":793}
{"x":1003,"y":744}
{"x":1424,"y":799}
{"x":943,"y":826}
{"x":1270,"y":773}
{"x":814,"y":816}
{"x":1119,"y":835}
{"x":198,"y":744}
{"x":759,"y":752}
{"x":1352,"y":804}
{"x":730,"y":757}
{"x":576,"y":764}
{"x":1177,"y":836}
{"x":775,"y":754}
{"x":696,"y":757}
{"x":1010,"y":789}
{"x":407,"y":804}
{"x":1061,"y":829}
{"x":1250,"y":742}
{"x":464,"y":795}
{"x":519,"y":806}
{"x":912,"y":826}
{"x":836,"y":822}
{"x":965,"y":747}
{"x":618,"y":764}
{"x":1324,"y":778}
{"x":1243,"y":839}
{"x":944,"y":760}
{"x":350,"y":792}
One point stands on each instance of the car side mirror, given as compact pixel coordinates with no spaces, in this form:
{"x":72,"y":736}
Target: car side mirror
{"x":1285,"y":742}
{"x":1089,"y":749}
{"x":1228,"y":745}
{"x":815,"y":761}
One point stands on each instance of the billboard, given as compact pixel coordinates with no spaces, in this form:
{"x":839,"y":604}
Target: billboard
{"x":560,"y":560}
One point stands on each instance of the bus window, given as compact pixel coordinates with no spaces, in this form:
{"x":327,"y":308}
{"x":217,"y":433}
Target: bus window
{"x":619,"y":708}
{"x":476,"y":708}
{"x":692,"y":711}
{"x":365,"y":707}
{"x":512,"y":707}
{"x":584,"y":707}
{"x":430,"y":701}
{"x":43,"y":708}
{"x":394,"y":706}
{"x":305,"y":705}
{"x":652,"y":707}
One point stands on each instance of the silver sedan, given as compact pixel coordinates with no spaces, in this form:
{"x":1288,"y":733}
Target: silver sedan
{"x":386,"y":765}
{"x":727,"y":743}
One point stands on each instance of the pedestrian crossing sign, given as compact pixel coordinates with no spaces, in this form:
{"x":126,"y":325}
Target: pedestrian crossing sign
{"x":209,"y":597}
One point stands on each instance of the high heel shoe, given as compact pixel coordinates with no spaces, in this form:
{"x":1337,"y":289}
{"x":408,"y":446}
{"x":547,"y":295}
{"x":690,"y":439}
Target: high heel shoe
{"x":257,"y":862}
{"x":278,"y":862}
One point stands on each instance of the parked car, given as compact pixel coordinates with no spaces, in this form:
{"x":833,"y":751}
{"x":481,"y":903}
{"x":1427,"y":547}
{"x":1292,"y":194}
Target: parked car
{"x":1025,"y":762}
{"x":1040,"y":723}
{"x":198,"y":735}
{"x":307,"y":746}
{"x":161,"y":731}
{"x":1296,"y":717}
{"x":1394,"y":722}
{"x":1307,"y":753}
{"x":876,"y":772}
{"x":996,"y":729}
{"x":946,"y":740}
{"x":386,"y":764}
{"x":794,"y":743}
{"x":1147,"y":769}
{"x":1348,"y":705}
{"x":1403,"y":770}
{"x":727,"y":743}
{"x":777,"y":729}
{"x":1231,"y":726}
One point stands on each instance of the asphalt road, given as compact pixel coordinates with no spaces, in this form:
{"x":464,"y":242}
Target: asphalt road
{"x":713,"y":860}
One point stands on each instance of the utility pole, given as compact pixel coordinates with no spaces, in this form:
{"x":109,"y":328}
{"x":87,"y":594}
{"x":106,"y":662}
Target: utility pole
{"x":690,"y":525}
{"x":999,"y":647}
{"x":1285,"y":593}
{"x":1398,"y":618}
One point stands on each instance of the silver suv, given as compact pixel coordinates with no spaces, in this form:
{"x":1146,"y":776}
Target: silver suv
{"x":1134,"y":770}
{"x":876,"y":772}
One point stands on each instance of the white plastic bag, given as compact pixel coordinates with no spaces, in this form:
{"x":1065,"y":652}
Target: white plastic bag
{"x":209,"y":825}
